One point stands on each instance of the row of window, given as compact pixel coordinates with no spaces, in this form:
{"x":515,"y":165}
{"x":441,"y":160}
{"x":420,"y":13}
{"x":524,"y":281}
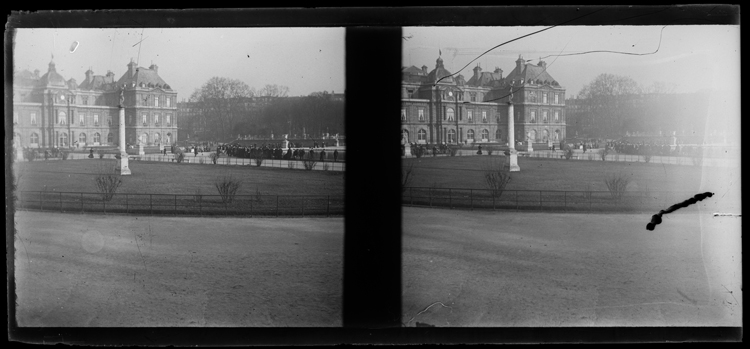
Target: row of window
{"x":148,"y":100}
{"x":62,"y":138}
{"x":449,"y":115}
{"x":536,"y":97}
{"x":544,"y":118}
{"x":470,"y":135}
{"x":62,"y":119}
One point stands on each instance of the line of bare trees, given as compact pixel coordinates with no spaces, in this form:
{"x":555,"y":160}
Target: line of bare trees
{"x":224,"y":108}
{"x":612,"y":105}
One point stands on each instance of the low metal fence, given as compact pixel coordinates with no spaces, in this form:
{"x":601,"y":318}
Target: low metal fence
{"x":184,"y":204}
{"x":542,"y":200}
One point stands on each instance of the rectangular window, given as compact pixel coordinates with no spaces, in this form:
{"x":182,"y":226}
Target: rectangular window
{"x":544,"y":98}
{"x":33,"y":118}
{"x":156,"y":101}
{"x":144,"y":119}
{"x":421,"y":114}
{"x":533,"y":116}
{"x":484,"y":116}
{"x":557,"y":116}
{"x":156,"y":119}
{"x":169,"y":102}
{"x":96,"y":119}
{"x":169,"y":119}
{"x":81,"y":119}
{"x":109,"y":120}
{"x":403,"y":114}
{"x":473,"y":97}
{"x":557,"y":101}
{"x":544,"y":116}
{"x":470,"y":116}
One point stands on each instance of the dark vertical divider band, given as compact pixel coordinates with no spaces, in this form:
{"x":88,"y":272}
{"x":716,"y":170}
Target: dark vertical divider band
{"x":372,"y":242}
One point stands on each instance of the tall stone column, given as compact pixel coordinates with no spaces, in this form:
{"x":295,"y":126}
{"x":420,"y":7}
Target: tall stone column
{"x":122,"y":162}
{"x":511,"y":163}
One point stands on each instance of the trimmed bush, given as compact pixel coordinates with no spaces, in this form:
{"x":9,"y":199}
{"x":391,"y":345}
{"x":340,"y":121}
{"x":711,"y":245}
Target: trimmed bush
{"x":495,"y":178}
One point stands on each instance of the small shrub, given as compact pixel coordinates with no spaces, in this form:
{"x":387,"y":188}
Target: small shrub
{"x":453,"y":151}
{"x":258,"y":160}
{"x":64,"y":155}
{"x":418,"y":152}
{"x":290,"y":164}
{"x":647,"y":154}
{"x":180,"y":156}
{"x":616,"y":184}
{"x":309,"y":162}
{"x":227,"y":187}
{"x":107,"y":182}
{"x":325,"y":167}
{"x":101,"y":154}
{"x":489,"y":151}
{"x":591,"y":156}
{"x":214,"y":157}
{"x":603,"y":154}
{"x":495,"y":178}
{"x":30,"y":155}
{"x":568,"y":154}
{"x":201,"y":160}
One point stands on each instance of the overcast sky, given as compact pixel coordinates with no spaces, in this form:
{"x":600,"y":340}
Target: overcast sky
{"x":690,"y":58}
{"x":304,"y":59}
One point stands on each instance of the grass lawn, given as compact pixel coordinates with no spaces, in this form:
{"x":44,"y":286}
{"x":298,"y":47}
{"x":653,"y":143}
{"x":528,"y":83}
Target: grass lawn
{"x":173,"y":178}
{"x":551,"y":174}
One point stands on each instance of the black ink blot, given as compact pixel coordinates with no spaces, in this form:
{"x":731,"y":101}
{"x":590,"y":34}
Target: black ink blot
{"x":656,"y":219}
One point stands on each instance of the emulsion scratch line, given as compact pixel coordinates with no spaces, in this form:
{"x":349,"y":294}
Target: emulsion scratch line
{"x":425,"y":309}
{"x":731,"y":294}
{"x":139,"y":251}
{"x":638,"y":304}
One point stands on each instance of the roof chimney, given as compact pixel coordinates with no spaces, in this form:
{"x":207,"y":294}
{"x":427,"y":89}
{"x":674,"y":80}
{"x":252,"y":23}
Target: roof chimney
{"x":89,"y":76}
{"x":131,"y":68}
{"x":519,"y":64}
{"x":154,"y":67}
{"x":424,"y":68}
{"x":542,"y":64}
{"x":477,"y":72}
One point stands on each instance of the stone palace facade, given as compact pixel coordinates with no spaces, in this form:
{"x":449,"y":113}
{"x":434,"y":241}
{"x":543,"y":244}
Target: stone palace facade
{"x":460,"y":111}
{"x":50,"y":111}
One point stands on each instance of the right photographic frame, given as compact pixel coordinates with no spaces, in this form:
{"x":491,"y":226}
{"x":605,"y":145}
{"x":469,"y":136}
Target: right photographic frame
{"x":571,"y":176}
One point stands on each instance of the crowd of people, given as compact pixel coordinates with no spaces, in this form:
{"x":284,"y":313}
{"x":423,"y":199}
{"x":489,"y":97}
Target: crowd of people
{"x":641,"y":148}
{"x":275,"y":151}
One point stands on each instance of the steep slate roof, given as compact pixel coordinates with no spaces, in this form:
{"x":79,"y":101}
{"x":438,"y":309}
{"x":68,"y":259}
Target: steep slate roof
{"x":142,"y":75}
{"x":98,"y":82}
{"x":485,"y":79}
{"x":529,"y":72}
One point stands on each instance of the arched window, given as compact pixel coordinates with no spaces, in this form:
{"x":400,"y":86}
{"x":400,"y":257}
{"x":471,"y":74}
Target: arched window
{"x":61,"y":118}
{"x":144,"y":138}
{"x":532,"y":135}
{"x":449,"y":114}
{"x":157,"y":137}
{"x":97,"y":137}
{"x":422,"y":135}
{"x":557,"y":135}
{"x":451,"y":136}
{"x":485,"y":134}
{"x":545,"y":135}
{"x":81,"y":137}
{"x":110,"y":138}
{"x":498,"y":135}
{"x":405,"y":135}
{"x":470,"y":134}
{"x":34,"y":139}
{"x":63,"y":139}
